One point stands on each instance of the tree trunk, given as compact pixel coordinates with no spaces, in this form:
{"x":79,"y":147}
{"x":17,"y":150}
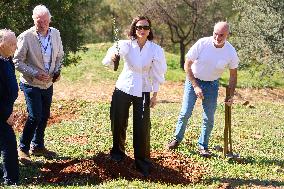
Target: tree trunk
{"x":182,"y":54}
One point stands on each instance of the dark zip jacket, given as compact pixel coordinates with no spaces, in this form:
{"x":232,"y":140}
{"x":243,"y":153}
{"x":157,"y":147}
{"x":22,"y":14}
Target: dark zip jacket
{"x":8,"y":88}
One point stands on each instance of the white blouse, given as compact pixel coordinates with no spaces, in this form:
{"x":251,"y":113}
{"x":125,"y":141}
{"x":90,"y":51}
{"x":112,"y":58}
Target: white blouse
{"x":143,"y":70}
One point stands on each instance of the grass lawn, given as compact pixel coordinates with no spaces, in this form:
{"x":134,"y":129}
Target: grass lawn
{"x":83,"y":134}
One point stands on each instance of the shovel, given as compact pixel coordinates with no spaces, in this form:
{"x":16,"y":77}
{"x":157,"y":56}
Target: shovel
{"x":227,"y":151}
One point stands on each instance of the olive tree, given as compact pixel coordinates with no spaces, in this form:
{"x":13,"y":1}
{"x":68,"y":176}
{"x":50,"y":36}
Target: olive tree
{"x":259,"y":33}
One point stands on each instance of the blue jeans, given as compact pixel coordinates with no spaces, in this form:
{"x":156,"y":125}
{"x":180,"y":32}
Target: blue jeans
{"x":209,"y":103}
{"x":38,"y":106}
{"x":8,"y":146}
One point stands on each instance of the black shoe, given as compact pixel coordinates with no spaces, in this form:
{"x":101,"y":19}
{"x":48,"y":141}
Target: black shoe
{"x":143,"y":167}
{"x":117,"y":157}
{"x":145,"y":173}
{"x":173,"y":144}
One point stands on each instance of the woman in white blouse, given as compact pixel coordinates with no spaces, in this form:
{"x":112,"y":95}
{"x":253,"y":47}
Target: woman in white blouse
{"x":143,"y":72}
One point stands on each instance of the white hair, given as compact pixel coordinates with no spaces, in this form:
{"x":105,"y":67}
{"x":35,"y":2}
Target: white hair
{"x":6,"y":33}
{"x":41,"y":10}
{"x":223,"y":24}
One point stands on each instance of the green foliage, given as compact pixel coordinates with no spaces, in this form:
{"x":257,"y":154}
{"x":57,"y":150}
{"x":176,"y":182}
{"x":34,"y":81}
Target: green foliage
{"x":253,"y":77}
{"x":68,"y":17}
{"x":99,"y":28}
{"x":258,"y":34}
{"x":90,"y":67}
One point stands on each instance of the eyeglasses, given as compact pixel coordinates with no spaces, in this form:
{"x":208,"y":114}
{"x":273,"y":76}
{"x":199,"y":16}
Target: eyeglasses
{"x":142,"y":27}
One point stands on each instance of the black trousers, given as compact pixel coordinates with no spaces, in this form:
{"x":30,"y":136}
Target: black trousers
{"x":8,"y":146}
{"x":119,"y":114}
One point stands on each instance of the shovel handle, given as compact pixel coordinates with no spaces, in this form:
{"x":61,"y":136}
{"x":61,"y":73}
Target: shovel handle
{"x":227,"y":129}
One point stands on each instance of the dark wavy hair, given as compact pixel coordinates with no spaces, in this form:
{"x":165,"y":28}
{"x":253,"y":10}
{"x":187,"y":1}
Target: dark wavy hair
{"x":132,"y":32}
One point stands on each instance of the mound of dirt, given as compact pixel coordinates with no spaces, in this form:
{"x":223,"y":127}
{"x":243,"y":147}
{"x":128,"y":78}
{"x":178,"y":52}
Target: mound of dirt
{"x":167,"y":167}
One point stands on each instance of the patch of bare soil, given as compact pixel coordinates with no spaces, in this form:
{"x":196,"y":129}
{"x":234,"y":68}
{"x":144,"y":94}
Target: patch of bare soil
{"x":170,"y":92}
{"x":250,"y":183}
{"x":173,"y":92}
{"x":59,"y":113}
{"x":167,"y":167}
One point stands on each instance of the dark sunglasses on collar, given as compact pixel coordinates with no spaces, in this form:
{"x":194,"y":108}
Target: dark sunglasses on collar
{"x":142,"y":27}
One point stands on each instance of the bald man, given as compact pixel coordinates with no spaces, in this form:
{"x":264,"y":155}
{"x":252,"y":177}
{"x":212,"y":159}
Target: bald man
{"x":205,"y":62}
{"x":8,"y":95}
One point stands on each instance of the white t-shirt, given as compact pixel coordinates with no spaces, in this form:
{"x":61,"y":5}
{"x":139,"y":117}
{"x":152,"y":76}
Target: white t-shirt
{"x":143,"y":71}
{"x":210,"y":62}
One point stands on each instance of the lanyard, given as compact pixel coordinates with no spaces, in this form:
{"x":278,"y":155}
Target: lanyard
{"x":48,"y":41}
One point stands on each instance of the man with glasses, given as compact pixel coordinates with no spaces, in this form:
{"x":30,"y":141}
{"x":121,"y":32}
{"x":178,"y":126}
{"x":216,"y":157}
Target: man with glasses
{"x":205,"y":62}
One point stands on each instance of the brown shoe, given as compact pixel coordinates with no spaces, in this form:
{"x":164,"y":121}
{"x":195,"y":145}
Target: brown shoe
{"x":42,"y":152}
{"x":173,"y":144}
{"x":24,"y":157}
{"x":205,"y":153}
